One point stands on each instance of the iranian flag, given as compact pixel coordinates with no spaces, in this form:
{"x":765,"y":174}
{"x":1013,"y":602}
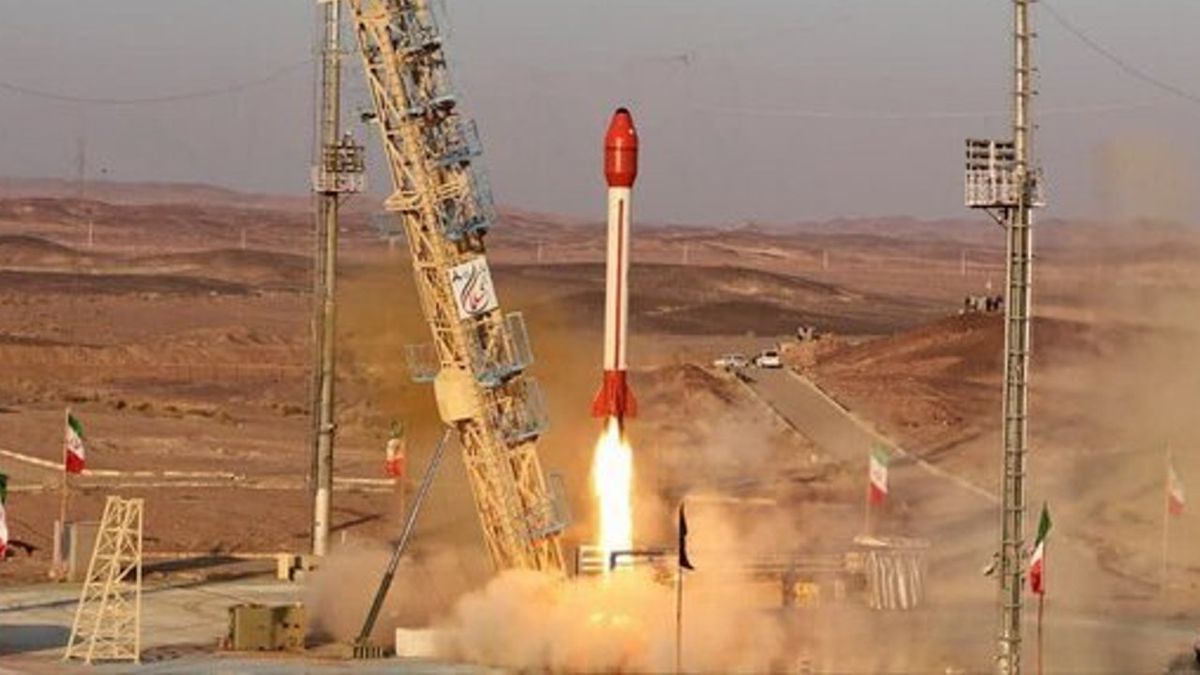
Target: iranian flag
{"x":3,"y":517}
{"x":1175,"y":498}
{"x":73,"y":450}
{"x":1037,"y":562}
{"x":877,"y":489}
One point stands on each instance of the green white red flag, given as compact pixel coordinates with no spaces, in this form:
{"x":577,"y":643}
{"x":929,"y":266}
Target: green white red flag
{"x":1175,"y":498}
{"x":3,"y":516}
{"x":74,"y":453}
{"x":395,"y":464}
{"x":1037,"y":562}
{"x":877,"y":475}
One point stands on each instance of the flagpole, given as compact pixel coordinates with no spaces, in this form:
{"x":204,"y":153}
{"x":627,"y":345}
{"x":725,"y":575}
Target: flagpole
{"x":867,"y":510}
{"x":867,"y":494}
{"x":681,"y":563}
{"x":1041,"y":610}
{"x":1166,"y":511}
{"x":678,"y":618}
{"x":60,"y":532}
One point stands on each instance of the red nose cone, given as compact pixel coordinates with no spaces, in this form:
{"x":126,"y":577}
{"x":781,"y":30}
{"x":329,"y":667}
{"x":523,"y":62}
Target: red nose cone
{"x":621,"y":150}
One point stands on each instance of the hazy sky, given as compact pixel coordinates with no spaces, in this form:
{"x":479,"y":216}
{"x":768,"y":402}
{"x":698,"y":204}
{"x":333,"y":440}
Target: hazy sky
{"x":775,"y":110}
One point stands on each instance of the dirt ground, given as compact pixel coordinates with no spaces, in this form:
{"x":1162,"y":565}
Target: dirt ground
{"x":180,"y":359}
{"x":181,"y":350}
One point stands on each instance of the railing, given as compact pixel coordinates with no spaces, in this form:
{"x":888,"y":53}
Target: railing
{"x":521,"y":415}
{"x":324,"y":180}
{"x":991,"y":180}
{"x":503,"y":352}
{"x":342,"y":168}
{"x":423,"y":363}
{"x":999,"y":187}
{"x":460,"y":145}
{"x":411,"y":34}
{"x":590,"y":559}
{"x":895,"y":579}
{"x":551,"y":516}
{"x":470,"y":213}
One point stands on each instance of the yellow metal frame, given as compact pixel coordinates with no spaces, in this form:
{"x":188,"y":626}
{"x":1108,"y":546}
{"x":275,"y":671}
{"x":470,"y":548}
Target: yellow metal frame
{"x":409,"y":85}
{"x":108,"y":620}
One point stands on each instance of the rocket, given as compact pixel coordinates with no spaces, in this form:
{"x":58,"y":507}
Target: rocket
{"x":620,"y":170}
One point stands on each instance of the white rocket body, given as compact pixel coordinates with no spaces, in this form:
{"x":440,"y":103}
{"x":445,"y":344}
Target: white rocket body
{"x":620,"y":170}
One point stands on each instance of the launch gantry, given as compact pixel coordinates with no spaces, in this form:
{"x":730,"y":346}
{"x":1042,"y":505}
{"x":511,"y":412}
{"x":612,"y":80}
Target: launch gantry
{"x":478,"y":356}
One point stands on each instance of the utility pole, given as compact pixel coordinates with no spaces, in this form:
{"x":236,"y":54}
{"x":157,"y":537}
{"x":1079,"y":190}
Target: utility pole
{"x":338,"y":171}
{"x":1002,"y":179}
{"x":81,"y":166}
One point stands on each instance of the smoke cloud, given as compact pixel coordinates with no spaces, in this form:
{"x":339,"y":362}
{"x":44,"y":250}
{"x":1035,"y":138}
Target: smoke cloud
{"x":624,"y":622}
{"x":1146,"y":177}
{"x":426,"y":586}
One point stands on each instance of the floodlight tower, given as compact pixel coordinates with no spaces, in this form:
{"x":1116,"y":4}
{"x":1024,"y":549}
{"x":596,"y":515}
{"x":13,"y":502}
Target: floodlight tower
{"x":338,"y":172}
{"x":1002,"y":180}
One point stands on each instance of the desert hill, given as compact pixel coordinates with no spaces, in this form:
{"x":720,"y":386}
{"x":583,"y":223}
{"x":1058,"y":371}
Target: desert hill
{"x":714,"y":300}
{"x":18,"y":250}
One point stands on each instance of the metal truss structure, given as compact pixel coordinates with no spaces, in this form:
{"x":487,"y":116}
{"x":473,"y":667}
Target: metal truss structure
{"x":108,"y":621}
{"x":478,"y":355}
{"x":1002,"y":180}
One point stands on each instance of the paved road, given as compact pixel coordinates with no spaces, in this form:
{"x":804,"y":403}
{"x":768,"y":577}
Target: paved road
{"x":960,"y":519}
{"x":803,"y":405}
{"x":845,"y":437}
{"x":180,"y":626}
{"x":924,"y":501}
{"x":36,"y":620}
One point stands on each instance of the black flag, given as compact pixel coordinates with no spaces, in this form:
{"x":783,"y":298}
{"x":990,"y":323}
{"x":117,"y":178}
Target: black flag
{"x":683,"y":556}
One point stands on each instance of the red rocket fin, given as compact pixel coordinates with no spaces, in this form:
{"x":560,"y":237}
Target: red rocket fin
{"x":615,"y":398}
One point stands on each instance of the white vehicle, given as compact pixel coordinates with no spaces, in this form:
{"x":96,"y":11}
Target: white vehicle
{"x":768,"y":358}
{"x":731,"y":362}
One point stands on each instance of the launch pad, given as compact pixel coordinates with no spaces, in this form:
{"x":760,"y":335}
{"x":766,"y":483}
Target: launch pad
{"x":882,"y":573}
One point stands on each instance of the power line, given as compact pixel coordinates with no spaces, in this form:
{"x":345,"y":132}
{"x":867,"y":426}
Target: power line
{"x":149,"y":100}
{"x":1125,"y":66}
{"x":887,"y":116}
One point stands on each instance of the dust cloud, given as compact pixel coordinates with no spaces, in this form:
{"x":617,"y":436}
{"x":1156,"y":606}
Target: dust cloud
{"x":380,"y":315}
{"x":425,"y":587}
{"x":1117,"y":405}
{"x":1135,"y":400}
{"x":527,"y":620}
{"x":1146,"y":178}
{"x":625,"y":622}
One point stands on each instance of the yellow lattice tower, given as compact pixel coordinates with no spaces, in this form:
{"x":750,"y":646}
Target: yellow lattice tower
{"x":108,"y":621}
{"x":478,"y":355}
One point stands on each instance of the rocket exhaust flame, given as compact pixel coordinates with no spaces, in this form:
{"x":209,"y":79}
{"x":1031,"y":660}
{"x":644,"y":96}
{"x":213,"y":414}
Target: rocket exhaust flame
{"x":612,"y":482}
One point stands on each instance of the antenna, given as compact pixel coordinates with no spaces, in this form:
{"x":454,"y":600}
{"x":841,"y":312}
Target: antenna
{"x":1002,"y":180}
